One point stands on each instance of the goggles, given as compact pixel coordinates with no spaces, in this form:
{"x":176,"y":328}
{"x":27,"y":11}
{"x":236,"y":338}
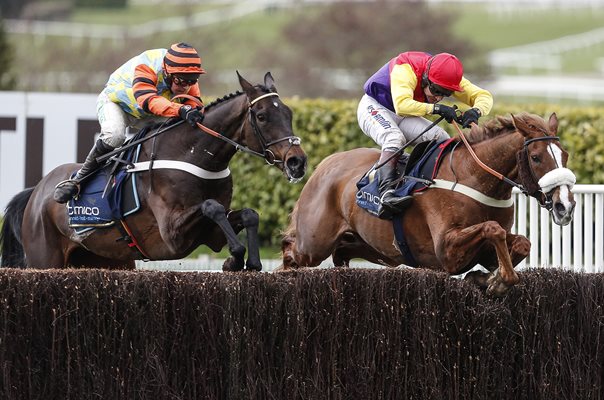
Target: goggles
{"x":439,"y":90}
{"x":181,"y":81}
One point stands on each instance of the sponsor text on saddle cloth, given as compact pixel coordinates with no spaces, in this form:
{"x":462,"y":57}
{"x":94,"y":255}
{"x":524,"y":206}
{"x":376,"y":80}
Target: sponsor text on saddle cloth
{"x":91,"y":209}
{"x":418,"y":175}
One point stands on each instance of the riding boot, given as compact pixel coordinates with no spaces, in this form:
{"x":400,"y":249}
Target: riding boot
{"x":66,"y":190}
{"x":387,"y":175}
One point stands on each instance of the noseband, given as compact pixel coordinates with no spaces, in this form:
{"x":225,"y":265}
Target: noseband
{"x":530,"y":183}
{"x":268,"y":154}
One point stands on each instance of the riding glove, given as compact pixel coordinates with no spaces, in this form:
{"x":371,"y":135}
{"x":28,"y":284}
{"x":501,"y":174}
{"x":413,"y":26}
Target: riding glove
{"x":191,"y":115}
{"x":470,"y":116}
{"x":446,"y":111}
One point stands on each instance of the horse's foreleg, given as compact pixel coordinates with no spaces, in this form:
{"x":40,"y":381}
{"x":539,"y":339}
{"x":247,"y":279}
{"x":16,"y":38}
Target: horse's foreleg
{"x":519,"y":247}
{"x":460,"y":246}
{"x":216,"y":212}
{"x":248,"y":219}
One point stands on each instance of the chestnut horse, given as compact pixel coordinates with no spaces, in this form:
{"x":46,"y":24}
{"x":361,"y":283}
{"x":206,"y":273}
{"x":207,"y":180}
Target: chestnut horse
{"x":180,"y":208}
{"x":444,"y":229}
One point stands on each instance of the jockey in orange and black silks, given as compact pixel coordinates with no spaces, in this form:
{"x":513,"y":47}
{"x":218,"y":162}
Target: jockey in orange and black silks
{"x":142,"y":85}
{"x":140,"y":92}
{"x":399,"y":95}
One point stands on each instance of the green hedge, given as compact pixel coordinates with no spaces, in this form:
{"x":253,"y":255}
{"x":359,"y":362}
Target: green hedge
{"x":329,"y":126}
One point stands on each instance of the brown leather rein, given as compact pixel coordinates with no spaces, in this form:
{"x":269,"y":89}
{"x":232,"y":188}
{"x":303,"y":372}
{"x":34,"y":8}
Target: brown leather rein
{"x":266,"y":154}
{"x":543,"y":199}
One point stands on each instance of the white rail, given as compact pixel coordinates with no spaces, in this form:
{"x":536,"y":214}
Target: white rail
{"x":578,"y":246}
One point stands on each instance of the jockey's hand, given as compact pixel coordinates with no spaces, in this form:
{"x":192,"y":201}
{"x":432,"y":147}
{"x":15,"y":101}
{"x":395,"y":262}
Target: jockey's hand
{"x":192,"y":115}
{"x":449,"y":113}
{"x":469,"y":117}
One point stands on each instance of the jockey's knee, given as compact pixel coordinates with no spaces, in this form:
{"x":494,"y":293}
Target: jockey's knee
{"x":113,"y":134}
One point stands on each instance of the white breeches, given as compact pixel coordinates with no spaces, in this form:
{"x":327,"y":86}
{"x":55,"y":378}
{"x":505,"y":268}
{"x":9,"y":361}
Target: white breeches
{"x":115,"y":121}
{"x":391,"y":131}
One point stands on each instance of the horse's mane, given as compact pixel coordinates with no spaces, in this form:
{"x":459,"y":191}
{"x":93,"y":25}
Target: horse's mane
{"x":503,"y":125}
{"x":229,"y":96}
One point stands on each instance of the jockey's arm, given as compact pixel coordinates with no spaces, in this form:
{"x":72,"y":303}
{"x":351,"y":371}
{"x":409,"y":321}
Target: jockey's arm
{"x":402,"y":85}
{"x":144,"y":87}
{"x":475,"y":97}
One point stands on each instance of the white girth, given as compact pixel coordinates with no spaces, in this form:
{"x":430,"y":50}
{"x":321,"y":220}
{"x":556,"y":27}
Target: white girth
{"x":473,"y":193}
{"x":180,"y":165}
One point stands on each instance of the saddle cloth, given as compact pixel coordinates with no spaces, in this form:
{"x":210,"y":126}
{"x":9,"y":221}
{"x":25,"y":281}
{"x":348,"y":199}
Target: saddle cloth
{"x":420,"y":170}
{"x":91,"y":209}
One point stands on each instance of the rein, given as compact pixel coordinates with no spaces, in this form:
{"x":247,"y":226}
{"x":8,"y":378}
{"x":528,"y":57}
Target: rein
{"x":544,"y":200}
{"x":266,"y":154}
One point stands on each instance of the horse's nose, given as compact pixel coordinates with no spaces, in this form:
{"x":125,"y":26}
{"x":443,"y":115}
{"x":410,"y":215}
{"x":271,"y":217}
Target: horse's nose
{"x":563,"y":214}
{"x":297,"y":166}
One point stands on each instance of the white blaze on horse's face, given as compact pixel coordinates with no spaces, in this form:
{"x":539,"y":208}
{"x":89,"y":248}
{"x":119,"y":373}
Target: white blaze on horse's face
{"x":556,"y":153}
{"x":560,"y":181}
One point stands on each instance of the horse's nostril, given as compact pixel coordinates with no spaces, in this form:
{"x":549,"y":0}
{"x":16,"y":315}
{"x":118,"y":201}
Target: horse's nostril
{"x":559,"y":207}
{"x":295,"y":163}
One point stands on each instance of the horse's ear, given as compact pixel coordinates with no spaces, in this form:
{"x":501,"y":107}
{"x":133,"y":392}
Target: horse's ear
{"x":553,"y":124}
{"x":520,"y":125}
{"x":247,"y":87}
{"x":269,"y":82}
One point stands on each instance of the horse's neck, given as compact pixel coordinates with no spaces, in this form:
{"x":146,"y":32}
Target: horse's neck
{"x":227,"y":119}
{"x":499,"y":154}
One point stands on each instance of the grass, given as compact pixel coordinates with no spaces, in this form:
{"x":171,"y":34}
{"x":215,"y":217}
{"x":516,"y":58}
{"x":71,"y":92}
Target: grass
{"x":491,"y":31}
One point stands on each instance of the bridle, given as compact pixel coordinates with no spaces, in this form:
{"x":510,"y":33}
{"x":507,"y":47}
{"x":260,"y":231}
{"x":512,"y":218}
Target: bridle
{"x":529,"y":185}
{"x":268,"y":154}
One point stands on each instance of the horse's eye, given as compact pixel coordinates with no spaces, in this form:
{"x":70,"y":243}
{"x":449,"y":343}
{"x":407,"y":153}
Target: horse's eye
{"x":261,"y":117}
{"x":536,"y":159}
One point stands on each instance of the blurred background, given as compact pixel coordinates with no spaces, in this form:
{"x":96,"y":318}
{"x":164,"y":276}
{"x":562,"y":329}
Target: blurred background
{"x":537,"y":50}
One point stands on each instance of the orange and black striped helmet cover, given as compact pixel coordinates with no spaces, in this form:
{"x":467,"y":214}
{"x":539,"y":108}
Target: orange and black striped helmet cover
{"x":182,"y":58}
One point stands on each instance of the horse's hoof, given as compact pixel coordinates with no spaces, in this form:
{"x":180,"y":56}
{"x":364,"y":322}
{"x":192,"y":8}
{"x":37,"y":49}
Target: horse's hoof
{"x":232,"y":264}
{"x":497,"y":288}
{"x":253,"y":266}
{"x":478,"y":278}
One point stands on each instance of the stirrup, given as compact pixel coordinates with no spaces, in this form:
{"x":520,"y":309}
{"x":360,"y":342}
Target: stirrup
{"x":397,"y":205}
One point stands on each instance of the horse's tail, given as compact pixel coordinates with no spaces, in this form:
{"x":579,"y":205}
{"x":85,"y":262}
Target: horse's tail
{"x":11,"y":249}
{"x":288,"y":241}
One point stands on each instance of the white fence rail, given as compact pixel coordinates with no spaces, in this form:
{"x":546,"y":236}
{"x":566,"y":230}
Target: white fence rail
{"x":578,"y":246}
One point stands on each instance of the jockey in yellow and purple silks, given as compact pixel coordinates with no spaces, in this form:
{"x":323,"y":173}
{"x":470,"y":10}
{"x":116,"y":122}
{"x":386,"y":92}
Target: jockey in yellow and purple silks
{"x":399,"y":95}
{"x":138,"y":93}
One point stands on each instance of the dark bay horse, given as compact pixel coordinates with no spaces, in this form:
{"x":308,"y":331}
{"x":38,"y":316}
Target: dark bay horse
{"x":179,"y":210}
{"x":444,"y":229}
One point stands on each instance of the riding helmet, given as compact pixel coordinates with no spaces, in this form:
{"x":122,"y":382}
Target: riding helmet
{"x":182,"y":58}
{"x":446,"y":71}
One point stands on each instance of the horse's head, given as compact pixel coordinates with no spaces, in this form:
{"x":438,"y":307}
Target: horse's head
{"x":542,"y":166}
{"x":270,"y":129}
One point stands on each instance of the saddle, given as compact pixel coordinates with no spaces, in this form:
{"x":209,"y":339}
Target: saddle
{"x":417,"y":171}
